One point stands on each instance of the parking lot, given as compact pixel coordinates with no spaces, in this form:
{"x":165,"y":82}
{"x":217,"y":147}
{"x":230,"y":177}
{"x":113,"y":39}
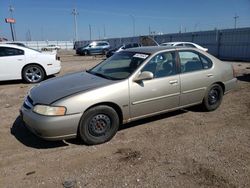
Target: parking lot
{"x":186,"y":148}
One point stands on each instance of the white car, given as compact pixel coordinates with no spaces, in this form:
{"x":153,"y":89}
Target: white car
{"x":184,"y":44}
{"x":17,"y":62}
{"x":51,"y":47}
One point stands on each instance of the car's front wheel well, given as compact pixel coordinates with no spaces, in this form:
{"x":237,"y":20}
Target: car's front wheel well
{"x":112,"y":105}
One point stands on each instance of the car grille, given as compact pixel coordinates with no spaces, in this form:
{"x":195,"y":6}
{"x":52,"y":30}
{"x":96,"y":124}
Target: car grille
{"x":28,"y":103}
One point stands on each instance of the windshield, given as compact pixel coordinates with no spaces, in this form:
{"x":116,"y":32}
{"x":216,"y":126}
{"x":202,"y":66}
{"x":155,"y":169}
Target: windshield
{"x":85,"y":46}
{"x":119,"y":66}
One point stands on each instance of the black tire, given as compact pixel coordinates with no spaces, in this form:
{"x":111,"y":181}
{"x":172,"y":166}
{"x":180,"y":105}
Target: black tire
{"x":213,"y":97}
{"x":33,"y":74}
{"x":98,"y":125}
{"x":104,"y":52}
{"x":85,"y":52}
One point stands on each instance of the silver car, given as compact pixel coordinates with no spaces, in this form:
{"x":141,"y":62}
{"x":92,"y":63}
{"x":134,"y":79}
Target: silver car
{"x":133,"y":84}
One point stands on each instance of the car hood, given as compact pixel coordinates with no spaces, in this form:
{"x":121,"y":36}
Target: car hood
{"x":52,"y":90}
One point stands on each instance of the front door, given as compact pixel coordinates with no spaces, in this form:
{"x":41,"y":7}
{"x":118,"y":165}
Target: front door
{"x":161,"y":93}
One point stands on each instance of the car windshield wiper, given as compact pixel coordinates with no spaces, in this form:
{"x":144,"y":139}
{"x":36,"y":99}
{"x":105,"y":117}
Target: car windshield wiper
{"x":100,"y":75}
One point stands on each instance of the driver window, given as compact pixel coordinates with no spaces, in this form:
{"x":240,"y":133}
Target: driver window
{"x":162,"y":65}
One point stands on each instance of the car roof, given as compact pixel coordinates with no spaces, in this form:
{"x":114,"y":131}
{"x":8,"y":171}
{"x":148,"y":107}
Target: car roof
{"x":153,"y":49}
{"x":177,"y":42}
{"x":11,"y":45}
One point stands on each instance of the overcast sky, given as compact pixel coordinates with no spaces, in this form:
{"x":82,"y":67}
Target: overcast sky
{"x":52,"y":19}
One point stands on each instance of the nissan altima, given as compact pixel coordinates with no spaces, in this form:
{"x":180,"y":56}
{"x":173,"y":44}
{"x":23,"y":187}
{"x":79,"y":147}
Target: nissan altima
{"x":133,"y":84}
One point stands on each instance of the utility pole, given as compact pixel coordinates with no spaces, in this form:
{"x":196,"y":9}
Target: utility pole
{"x":149,"y":30}
{"x":133,"y":19}
{"x":235,"y":20}
{"x":75,"y":13}
{"x":12,"y":25}
{"x":90,"y":32}
{"x":104,"y":32}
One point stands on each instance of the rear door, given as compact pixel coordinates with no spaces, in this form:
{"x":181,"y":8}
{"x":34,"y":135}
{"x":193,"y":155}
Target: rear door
{"x":12,"y":61}
{"x":196,"y":75}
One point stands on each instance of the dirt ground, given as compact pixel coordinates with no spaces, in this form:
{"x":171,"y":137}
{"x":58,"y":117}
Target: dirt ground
{"x":186,"y":148}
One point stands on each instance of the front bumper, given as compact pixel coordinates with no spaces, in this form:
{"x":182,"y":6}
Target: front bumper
{"x":51,"y":127}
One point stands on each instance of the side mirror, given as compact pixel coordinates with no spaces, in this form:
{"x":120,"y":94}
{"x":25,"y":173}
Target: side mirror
{"x":145,"y":75}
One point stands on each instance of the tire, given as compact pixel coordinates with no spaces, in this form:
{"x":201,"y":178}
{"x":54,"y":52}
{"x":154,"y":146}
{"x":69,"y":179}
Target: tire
{"x":85,"y":52}
{"x":213,"y":97}
{"x":104,"y":52}
{"x":33,"y":74}
{"x":98,"y":125}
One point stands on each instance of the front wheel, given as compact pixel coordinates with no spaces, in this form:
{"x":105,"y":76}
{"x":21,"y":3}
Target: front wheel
{"x":213,"y":97}
{"x":98,"y":125}
{"x":33,"y":74}
{"x":104,"y":52}
{"x":85,"y":52}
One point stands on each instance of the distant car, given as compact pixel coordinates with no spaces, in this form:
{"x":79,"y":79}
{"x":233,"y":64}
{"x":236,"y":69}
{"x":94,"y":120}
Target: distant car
{"x":122,"y":47}
{"x":51,"y":47}
{"x":132,"y":84}
{"x":97,"y":47}
{"x":184,"y":44}
{"x":17,"y":62}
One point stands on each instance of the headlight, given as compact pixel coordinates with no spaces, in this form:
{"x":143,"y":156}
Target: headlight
{"x":50,"y":110}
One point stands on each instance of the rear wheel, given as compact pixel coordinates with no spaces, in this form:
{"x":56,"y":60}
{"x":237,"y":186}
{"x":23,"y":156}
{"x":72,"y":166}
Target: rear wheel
{"x":98,"y":125}
{"x":213,"y":97}
{"x":33,"y":74}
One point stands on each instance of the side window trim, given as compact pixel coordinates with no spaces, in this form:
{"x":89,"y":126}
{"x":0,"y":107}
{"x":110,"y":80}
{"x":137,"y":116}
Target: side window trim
{"x":176,"y":69}
{"x":195,"y":52}
{"x":16,"y":50}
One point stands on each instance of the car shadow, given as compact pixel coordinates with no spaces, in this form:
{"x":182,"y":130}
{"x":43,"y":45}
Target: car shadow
{"x":12,"y":82}
{"x":151,"y":119}
{"x":244,"y":77}
{"x":23,"y":135}
{"x":27,"y":138}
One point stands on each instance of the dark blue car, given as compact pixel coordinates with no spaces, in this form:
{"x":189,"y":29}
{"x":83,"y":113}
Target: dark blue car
{"x":98,"y":47}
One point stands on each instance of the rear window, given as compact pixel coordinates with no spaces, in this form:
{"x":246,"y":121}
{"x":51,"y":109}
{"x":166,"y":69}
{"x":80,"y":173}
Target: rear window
{"x":193,"y":61}
{"x":7,"y":51}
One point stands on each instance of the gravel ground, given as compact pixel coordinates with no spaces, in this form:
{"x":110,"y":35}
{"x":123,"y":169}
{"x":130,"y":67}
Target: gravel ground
{"x":186,"y":148}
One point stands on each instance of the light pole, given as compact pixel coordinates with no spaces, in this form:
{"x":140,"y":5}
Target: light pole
{"x":90,"y":32}
{"x":104,"y":32}
{"x":75,"y":13}
{"x":133,"y":20}
{"x":12,"y":26}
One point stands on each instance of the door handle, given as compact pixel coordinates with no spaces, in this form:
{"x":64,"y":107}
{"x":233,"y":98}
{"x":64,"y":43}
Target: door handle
{"x":19,"y":59}
{"x":210,"y":75}
{"x":173,"y":81}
